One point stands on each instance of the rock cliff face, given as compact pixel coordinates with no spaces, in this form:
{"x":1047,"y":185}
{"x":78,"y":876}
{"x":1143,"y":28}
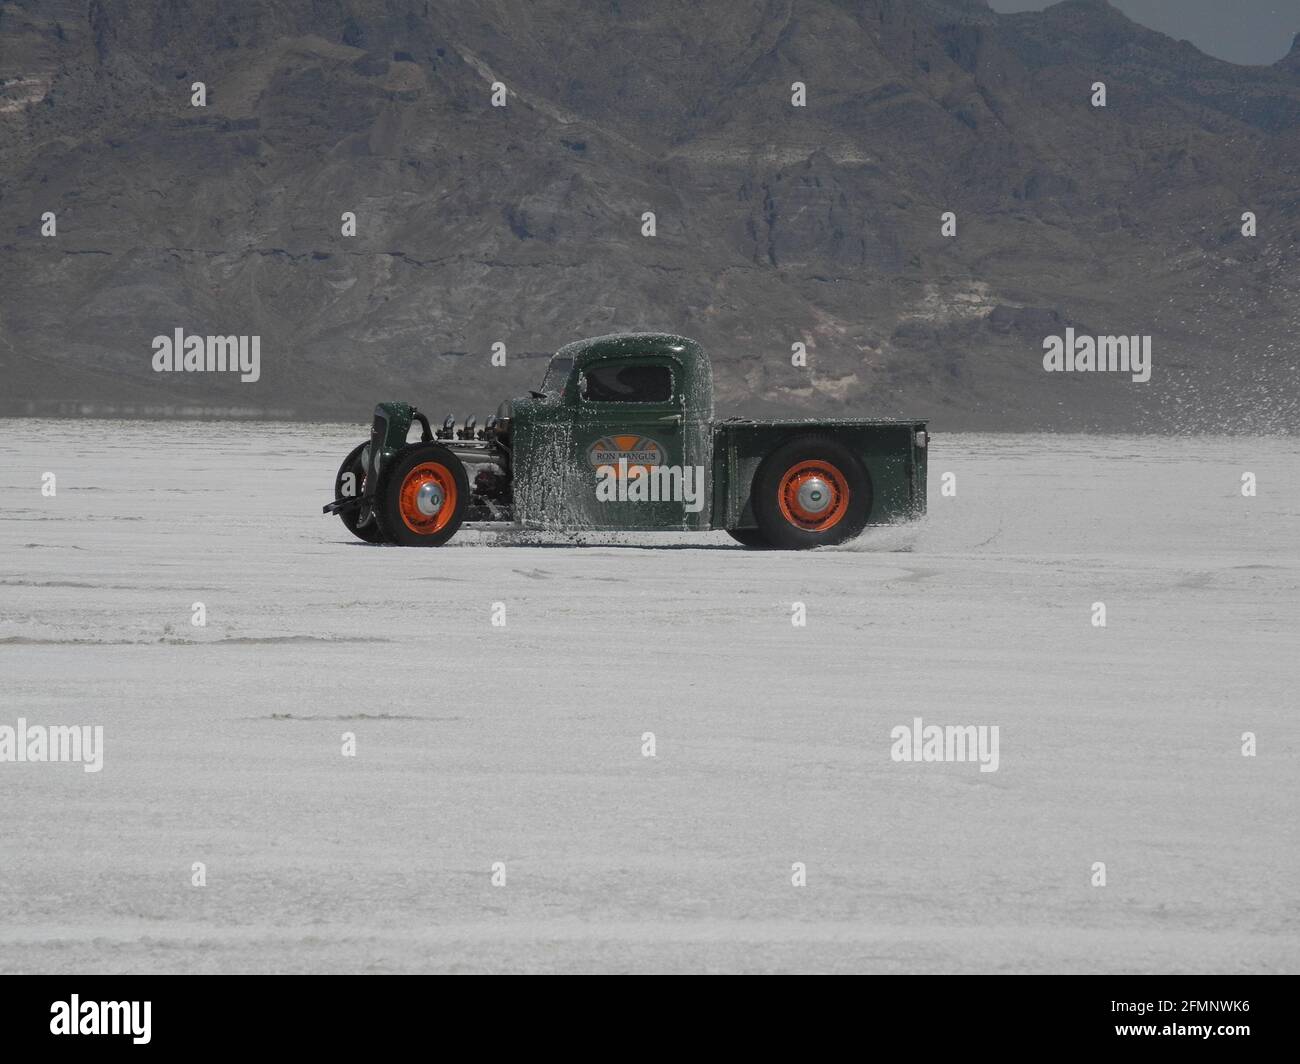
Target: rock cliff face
{"x":523,"y":224}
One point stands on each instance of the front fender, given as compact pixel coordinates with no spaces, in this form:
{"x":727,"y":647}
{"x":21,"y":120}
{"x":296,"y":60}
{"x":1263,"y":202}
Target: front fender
{"x":388,"y":434}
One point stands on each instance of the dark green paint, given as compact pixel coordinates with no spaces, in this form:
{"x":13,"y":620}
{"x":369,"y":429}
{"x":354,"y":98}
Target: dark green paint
{"x":552,"y":439}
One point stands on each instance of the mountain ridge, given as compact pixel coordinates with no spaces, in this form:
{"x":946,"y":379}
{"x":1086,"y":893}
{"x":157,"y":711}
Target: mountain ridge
{"x":522,"y":225}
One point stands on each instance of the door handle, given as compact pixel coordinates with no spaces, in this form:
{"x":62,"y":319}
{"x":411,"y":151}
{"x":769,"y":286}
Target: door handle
{"x":671,"y":419}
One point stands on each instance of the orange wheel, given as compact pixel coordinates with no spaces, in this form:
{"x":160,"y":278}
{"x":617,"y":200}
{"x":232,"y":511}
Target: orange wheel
{"x":427,"y":498}
{"x":810,"y":491}
{"x":421,"y":496}
{"x":813,"y":495}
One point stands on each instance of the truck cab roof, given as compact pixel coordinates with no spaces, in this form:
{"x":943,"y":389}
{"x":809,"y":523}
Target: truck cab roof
{"x":615,"y":344}
{"x":692,"y":374}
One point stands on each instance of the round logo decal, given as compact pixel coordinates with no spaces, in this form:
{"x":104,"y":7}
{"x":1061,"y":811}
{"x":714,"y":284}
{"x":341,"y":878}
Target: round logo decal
{"x":636,"y":451}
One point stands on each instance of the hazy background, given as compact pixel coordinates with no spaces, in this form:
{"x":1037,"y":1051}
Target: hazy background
{"x":1245,"y":31}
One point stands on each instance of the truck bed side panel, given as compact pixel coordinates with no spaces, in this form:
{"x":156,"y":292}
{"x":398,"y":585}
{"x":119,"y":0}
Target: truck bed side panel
{"x":894,"y":459}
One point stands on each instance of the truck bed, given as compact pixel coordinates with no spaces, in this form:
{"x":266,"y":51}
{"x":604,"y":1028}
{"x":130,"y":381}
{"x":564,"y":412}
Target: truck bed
{"x":893,"y":450}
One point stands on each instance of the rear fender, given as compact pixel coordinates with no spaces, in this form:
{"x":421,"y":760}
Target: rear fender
{"x":890,"y":451}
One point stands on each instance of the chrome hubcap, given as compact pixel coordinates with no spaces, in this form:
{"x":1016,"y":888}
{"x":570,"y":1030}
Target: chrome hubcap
{"x":814,"y":495}
{"x":429,"y":499}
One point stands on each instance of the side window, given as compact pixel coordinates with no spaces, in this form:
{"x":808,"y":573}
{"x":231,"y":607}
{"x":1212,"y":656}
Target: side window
{"x":624,"y":383}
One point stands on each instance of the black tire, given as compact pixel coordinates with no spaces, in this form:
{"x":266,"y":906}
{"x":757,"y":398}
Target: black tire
{"x":369,"y":530}
{"x":748,"y":537}
{"x":837,"y":468}
{"x":399,"y":517}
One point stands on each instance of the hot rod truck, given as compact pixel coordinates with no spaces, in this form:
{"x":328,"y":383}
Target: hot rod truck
{"x":621,"y":436}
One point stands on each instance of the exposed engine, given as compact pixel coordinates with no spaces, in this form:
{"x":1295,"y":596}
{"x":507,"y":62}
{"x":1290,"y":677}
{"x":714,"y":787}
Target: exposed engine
{"x":486,"y":454}
{"x":495,"y":429}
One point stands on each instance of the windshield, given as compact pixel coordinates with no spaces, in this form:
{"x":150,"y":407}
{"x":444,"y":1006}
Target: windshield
{"x":557,"y":373}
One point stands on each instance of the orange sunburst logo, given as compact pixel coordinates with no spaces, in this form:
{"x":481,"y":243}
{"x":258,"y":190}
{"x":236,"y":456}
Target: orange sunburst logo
{"x":640,"y":452}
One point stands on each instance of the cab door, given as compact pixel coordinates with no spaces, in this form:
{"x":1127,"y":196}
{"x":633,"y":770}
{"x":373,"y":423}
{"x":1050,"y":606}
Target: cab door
{"x":628,"y":428}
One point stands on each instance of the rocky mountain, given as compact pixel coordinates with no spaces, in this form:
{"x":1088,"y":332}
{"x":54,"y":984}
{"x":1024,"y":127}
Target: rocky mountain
{"x":523,"y":224}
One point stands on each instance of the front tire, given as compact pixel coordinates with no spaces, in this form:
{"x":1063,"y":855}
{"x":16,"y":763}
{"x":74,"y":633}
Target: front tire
{"x":811,"y":492}
{"x":422,"y":496}
{"x":347,"y":485}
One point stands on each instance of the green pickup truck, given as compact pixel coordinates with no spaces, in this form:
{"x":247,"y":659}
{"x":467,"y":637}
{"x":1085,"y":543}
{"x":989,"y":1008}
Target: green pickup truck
{"x":621,"y":436}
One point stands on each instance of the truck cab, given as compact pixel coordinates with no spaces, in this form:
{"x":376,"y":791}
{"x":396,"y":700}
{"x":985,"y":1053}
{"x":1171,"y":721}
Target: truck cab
{"x":634,"y":405}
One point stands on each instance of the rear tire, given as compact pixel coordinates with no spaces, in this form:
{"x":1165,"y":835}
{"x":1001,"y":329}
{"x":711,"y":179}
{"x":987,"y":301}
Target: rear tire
{"x":422,"y":496}
{"x":811,"y":492}
{"x":748,"y":537}
{"x":352,"y":465}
